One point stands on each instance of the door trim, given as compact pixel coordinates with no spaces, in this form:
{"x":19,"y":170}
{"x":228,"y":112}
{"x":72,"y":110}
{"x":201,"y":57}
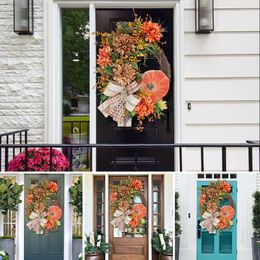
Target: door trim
{"x":168,"y":211}
{"x":53,"y":62}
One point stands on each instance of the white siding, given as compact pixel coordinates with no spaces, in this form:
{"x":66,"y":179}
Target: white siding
{"x":21,"y":74}
{"x":221,"y":78}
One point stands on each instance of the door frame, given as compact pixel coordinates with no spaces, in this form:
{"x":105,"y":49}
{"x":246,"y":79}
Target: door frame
{"x":53,"y":63}
{"x":67,"y":217}
{"x":187,"y":188}
{"x":88,"y":199}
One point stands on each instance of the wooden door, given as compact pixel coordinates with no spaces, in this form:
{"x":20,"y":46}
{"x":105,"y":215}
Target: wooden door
{"x":48,"y":245}
{"x":125,"y":247}
{"x":156,"y":132}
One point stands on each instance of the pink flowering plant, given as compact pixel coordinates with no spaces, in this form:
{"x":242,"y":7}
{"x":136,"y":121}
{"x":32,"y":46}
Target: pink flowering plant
{"x":38,"y":159}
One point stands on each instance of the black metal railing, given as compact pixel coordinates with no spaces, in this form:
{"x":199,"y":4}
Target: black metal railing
{"x":180,"y":151}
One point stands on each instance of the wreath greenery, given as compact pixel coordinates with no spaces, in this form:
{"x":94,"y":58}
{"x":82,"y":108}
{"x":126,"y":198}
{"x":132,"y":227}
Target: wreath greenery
{"x":125,"y":92}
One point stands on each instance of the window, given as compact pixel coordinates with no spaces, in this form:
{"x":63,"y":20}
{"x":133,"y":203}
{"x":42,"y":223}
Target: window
{"x":99,"y":205}
{"x":157,"y":203}
{"x":76,"y":220}
{"x":75,"y":58}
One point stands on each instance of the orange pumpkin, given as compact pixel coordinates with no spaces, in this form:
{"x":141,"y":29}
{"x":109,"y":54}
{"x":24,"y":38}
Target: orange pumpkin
{"x":155,"y":83}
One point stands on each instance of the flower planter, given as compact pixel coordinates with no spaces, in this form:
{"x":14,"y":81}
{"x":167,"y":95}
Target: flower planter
{"x":165,"y":257}
{"x":7,"y":244}
{"x":98,"y":256}
{"x":76,"y":248}
{"x":256,"y":248}
{"x":177,"y":247}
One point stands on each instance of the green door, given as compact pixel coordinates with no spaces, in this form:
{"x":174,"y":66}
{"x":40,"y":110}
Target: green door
{"x":223,"y":244}
{"x":48,"y":245}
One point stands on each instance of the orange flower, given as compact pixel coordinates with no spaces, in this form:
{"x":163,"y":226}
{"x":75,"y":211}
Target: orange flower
{"x":104,"y":57}
{"x":227,"y":212}
{"x":29,"y":198}
{"x":50,"y":224}
{"x":222,"y":224}
{"x":134,"y":222}
{"x":113,"y":197}
{"x":225,"y":186}
{"x":139,"y":210}
{"x":202,"y":199}
{"x":152,"y":31}
{"x":145,"y":107}
{"x":137,"y":184}
{"x":54,"y":213}
{"x":53,"y":186}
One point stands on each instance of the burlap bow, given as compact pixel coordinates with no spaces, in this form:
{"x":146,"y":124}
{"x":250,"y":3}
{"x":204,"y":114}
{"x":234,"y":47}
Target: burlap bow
{"x":37,"y":222}
{"x":121,"y":99}
{"x":121,"y":218}
{"x":210,"y":221}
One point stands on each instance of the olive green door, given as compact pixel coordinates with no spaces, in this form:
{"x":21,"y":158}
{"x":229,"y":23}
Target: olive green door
{"x":47,"y":245}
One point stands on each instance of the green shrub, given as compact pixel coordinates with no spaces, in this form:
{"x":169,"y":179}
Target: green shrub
{"x":256,"y":214}
{"x":76,"y":196}
{"x":9,"y":195}
{"x":177,"y":215}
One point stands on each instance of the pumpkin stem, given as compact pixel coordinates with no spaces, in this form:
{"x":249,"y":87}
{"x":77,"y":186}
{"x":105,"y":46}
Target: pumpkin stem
{"x":150,"y":86}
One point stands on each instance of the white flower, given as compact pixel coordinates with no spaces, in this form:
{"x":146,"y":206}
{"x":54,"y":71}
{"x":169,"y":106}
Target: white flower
{"x":91,"y":238}
{"x":162,"y":241}
{"x":2,"y":253}
{"x":99,"y":240}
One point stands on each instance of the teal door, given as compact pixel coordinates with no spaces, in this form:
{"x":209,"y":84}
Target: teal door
{"x":47,"y":245}
{"x":223,"y":244}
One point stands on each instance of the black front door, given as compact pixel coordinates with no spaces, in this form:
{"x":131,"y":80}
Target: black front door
{"x":158,"y":132}
{"x":47,"y":245}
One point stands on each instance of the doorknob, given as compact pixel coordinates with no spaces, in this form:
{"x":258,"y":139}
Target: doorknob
{"x":199,"y":230}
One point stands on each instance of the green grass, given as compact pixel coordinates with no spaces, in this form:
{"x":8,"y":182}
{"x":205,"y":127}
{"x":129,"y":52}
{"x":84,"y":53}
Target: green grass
{"x":76,"y":124}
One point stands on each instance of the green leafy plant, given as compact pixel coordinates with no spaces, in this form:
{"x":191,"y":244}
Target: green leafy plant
{"x":96,"y":244}
{"x":256,"y":214}
{"x":10,"y":193}
{"x":162,"y":242}
{"x":177,"y":216}
{"x":4,"y":255}
{"x":76,"y":196}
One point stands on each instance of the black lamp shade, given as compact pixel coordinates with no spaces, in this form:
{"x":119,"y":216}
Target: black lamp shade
{"x":204,"y":16}
{"x":23,"y":17}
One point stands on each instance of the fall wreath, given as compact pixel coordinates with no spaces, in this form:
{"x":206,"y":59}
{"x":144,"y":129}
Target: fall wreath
{"x":128,"y":212}
{"x":217,"y":208}
{"x":42,"y":210}
{"x":125,"y":93}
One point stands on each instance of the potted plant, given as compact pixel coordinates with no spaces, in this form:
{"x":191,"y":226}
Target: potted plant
{"x":76,"y":201}
{"x":7,"y":246}
{"x":95,"y":247}
{"x":4,"y":255}
{"x":256,"y":226}
{"x":177,"y":226}
{"x":162,"y":244}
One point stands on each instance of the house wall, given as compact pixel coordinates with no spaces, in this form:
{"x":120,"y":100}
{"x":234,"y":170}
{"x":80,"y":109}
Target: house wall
{"x":22,"y":74}
{"x":221,"y":78}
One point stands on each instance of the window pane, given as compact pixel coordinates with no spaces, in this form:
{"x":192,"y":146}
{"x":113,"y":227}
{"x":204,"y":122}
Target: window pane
{"x":100,"y":185}
{"x":100,"y":208}
{"x":156,"y":220}
{"x":225,"y":242}
{"x":100,"y":197}
{"x":156,"y":208}
{"x":156,"y":197}
{"x":207,"y":243}
{"x":75,"y":43}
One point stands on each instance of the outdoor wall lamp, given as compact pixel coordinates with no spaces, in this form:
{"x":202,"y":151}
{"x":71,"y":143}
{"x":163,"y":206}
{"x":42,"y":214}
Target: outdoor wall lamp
{"x":204,"y":16}
{"x":23,"y":17}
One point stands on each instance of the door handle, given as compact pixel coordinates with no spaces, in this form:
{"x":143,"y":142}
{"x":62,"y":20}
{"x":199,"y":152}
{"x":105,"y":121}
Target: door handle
{"x":199,"y":230}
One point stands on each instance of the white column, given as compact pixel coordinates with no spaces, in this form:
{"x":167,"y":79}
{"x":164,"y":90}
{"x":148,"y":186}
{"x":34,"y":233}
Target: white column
{"x":150,"y":224}
{"x":107,"y":210}
{"x":20,"y":223}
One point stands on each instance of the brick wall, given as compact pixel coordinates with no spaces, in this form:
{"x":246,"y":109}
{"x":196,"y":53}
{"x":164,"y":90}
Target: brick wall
{"x":21,"y":74}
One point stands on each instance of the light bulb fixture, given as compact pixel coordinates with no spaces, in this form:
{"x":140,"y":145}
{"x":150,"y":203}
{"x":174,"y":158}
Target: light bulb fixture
{"x":23,"y":17}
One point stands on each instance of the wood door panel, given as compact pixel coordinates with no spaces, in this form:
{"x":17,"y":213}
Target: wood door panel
{"x":129,"y":248}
